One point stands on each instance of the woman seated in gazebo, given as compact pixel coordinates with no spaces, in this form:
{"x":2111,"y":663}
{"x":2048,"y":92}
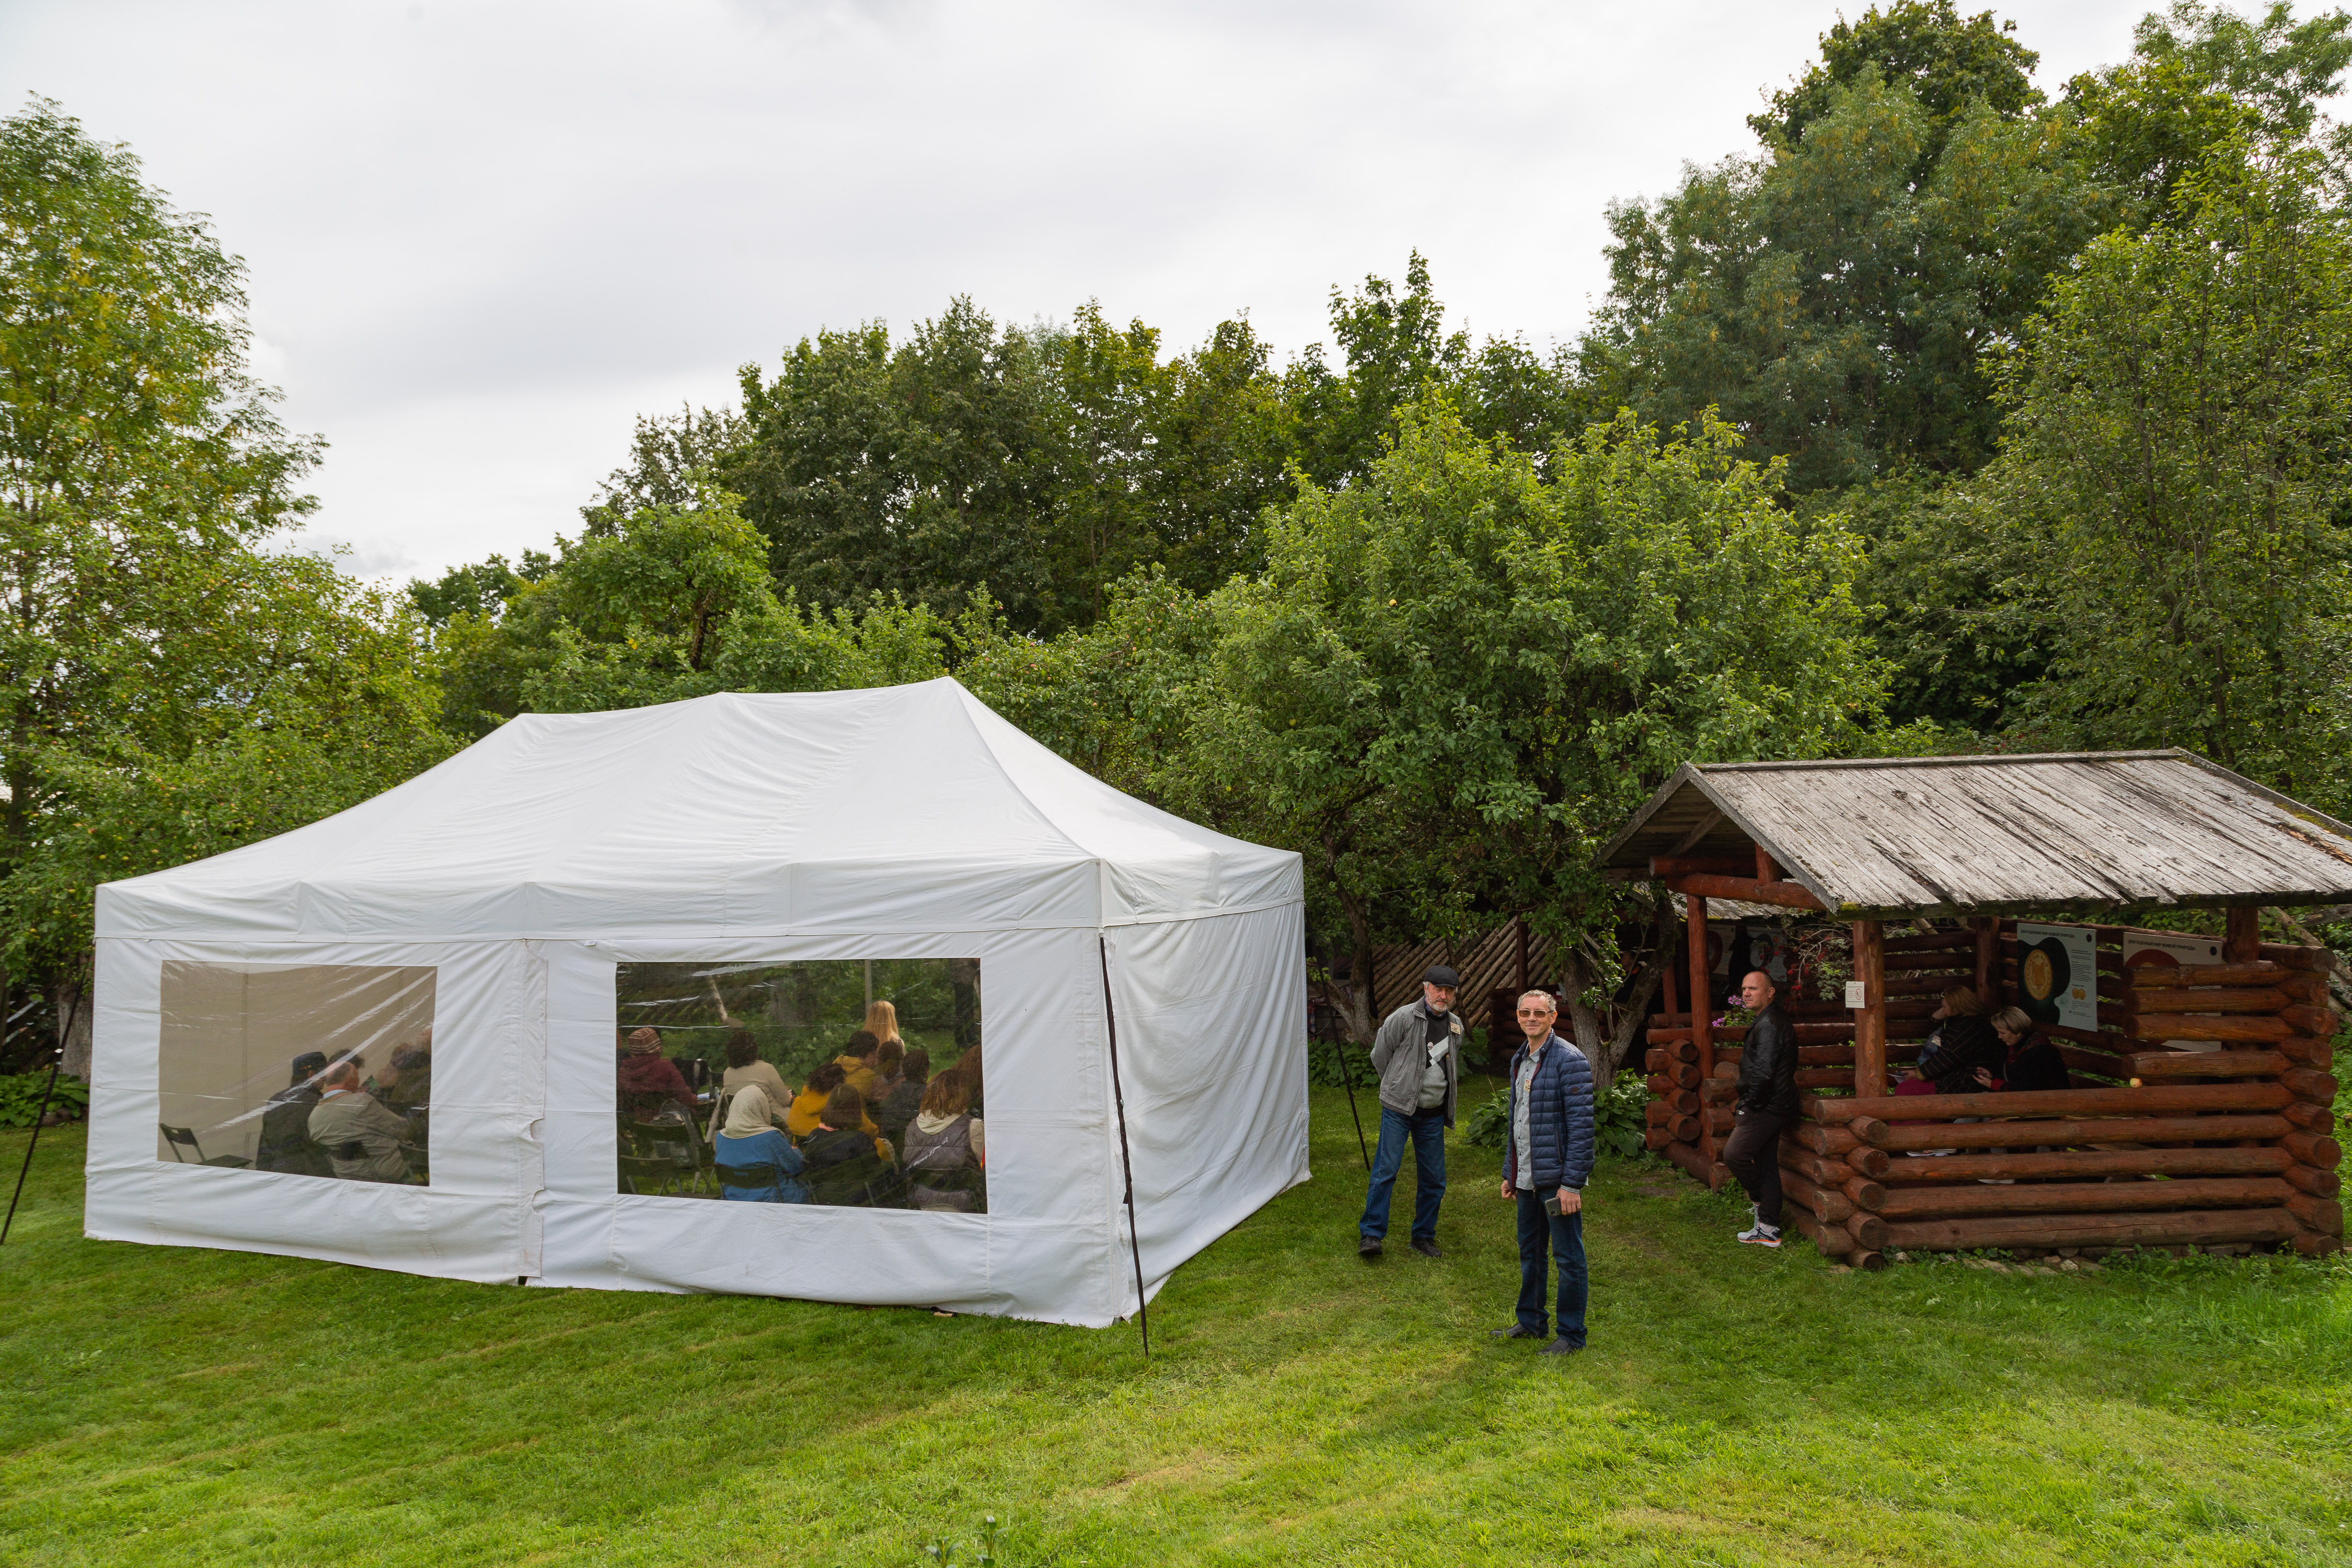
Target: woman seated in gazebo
{"x":2032,"y":1061}
{"x":1962,"y":1043}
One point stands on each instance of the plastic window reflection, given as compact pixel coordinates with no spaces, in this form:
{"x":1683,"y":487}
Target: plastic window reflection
{"x":311,"y":1069}
{"x":854,"y":1083}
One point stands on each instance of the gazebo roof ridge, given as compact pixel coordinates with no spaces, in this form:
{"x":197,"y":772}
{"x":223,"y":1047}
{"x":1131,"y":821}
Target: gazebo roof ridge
{"x":1990,"y":833}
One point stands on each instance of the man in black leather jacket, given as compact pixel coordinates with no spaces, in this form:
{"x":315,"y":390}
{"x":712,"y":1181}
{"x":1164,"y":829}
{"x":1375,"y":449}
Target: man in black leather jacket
{"x":1767,"y":1105}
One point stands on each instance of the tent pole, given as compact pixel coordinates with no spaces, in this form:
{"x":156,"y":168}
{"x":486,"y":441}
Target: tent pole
{"x":1348,"y":1077}
{"x":1127,"y":1165}
{"x":41,"y":1115}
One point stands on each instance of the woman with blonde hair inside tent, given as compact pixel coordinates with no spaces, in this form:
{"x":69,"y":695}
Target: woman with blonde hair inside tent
{"x":882,"y":1023}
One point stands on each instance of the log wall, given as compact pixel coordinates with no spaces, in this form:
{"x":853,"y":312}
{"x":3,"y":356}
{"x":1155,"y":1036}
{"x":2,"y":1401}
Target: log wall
{"x":2150,"y":1146}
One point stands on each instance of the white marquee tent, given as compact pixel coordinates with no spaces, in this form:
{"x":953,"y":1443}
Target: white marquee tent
{"x":494,"y":896}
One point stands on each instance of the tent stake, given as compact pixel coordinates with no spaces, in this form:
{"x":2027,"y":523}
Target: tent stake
{"x":1134,"y":1242}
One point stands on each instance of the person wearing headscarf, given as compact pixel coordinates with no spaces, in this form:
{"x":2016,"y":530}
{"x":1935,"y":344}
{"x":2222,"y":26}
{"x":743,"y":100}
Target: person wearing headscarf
{"x":649,"y":1081}
{"x":846,"y":1166}
{"x":285,"y":1143}
{"x":748,"y":1145}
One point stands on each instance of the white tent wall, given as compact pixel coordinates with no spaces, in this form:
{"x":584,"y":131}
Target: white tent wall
{"x":470,"y":1223}
{"x":907,"y":822}
{"x":1211,"y":1019}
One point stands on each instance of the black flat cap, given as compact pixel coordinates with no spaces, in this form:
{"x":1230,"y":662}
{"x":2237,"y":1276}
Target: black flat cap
{"x":1440,"y":974}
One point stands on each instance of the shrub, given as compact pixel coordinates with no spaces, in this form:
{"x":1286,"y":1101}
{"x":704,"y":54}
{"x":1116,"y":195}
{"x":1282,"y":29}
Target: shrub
{"x":20,"y":1098}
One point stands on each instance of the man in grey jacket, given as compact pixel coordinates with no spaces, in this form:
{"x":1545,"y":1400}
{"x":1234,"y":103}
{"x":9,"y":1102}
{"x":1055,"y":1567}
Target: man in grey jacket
{"x":1417,"y":1055}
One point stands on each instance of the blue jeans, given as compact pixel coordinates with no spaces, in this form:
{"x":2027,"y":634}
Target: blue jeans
{"x":1426,"y":1129}
{"x":1565,"y":1234}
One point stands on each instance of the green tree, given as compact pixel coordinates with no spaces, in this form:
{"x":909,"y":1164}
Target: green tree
{"x":671,"y":455}
{"x":2200,"y":78}
{"x":1834,"y":297}
{"x":668,"y":601}
{"x":1456,"y":674}
{"x":147,"y":636}
{"x":2181,"y":425}
{"x":929,"y":470}
{"x":1951,"y":64}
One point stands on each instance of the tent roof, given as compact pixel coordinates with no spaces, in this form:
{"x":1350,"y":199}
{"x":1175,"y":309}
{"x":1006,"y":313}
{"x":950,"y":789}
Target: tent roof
{"x":908,"y":808}
{"x":1987,"y":835}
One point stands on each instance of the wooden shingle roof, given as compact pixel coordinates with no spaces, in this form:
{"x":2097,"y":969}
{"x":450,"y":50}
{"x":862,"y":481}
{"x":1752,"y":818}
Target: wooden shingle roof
{"x":1999,"y":834}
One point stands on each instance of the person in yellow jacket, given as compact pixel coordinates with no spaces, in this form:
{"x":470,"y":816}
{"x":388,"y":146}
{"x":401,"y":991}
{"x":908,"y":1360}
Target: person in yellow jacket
{"x":808,"y":1108}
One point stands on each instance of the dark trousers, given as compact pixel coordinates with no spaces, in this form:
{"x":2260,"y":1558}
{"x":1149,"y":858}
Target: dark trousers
{"x":1754,"y":1156}
{"x":1564,"y":1235}
{"x":1426,"y":1132}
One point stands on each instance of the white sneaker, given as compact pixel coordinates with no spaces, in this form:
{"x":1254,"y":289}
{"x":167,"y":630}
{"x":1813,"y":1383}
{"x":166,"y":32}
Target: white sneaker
{"x":1761,"y":1235}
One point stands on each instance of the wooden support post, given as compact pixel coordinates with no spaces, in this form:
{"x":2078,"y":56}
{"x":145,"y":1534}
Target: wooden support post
{"x":1870,"y":1022}
{"x":1702,"y":1004}
{"x":1767,"y":870}
{"x":1521,"y":925}
{"x":2243,"y":941}
{"x":1988,"y":961}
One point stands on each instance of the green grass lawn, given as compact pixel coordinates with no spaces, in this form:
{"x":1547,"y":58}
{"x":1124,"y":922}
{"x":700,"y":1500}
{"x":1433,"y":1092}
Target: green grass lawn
{"x":165,"y":1406}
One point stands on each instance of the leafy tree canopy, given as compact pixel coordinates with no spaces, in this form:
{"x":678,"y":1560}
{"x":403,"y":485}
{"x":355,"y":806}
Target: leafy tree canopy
{"x":159,"y":668}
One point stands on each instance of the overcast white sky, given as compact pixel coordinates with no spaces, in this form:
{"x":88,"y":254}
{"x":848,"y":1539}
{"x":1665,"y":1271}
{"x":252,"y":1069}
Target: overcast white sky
{"x":483,"y":237}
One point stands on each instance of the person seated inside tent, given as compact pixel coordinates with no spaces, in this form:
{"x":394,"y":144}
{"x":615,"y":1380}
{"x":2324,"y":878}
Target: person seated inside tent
{"x":410,"y":1085}
{"x":1962,"y":1043}
{"x":946,"y":1150}
{"x":360,"y":1137}
{"x":650,"y":1082}
{"x":405,"y":1084}
{"x":286,"y":1126}
{"x":859,"y":1059}
{"x":899,"y":1107}
{"x":745,"y":1070}
{"x":2031,"y":1062}
{"x":757,"y":1165}
{"x":967,"y":1068}
{"x":890,"y":1069}
{"x":808,"y":1106}
{"x":847,"y":1167}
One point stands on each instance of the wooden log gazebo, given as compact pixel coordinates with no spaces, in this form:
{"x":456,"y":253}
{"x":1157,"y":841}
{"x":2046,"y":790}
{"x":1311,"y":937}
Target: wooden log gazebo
{"x":2201,"y":1105}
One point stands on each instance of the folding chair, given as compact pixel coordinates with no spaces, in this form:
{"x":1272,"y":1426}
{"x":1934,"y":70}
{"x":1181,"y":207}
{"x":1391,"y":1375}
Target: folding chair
{"x":180,"y":1137}
{"x":669,"y":1141}
{"x":645,"y":1177}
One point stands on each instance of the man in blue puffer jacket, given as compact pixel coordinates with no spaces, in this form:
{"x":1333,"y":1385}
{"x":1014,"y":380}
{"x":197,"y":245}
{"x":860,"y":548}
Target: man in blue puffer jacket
{"x":1546,"y":1161}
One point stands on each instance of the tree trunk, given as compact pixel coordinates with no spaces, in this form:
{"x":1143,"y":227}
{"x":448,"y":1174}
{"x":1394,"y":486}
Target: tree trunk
{"x":71,"y":1003}
{"x":1355,"y":1000}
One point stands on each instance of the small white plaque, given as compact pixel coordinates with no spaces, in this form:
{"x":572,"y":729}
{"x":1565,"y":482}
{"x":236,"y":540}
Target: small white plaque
{"x":1854,"y":993}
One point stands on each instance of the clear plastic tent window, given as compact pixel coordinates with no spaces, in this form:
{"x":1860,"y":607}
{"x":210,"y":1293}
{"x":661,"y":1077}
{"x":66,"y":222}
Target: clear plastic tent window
{"x":312,"y":1069}
{"x":841,"y":1083}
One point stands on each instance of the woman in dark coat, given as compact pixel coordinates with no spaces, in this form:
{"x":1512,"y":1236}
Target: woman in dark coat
{"x":847,"y":1165}
{"x":2032,"y":1062}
